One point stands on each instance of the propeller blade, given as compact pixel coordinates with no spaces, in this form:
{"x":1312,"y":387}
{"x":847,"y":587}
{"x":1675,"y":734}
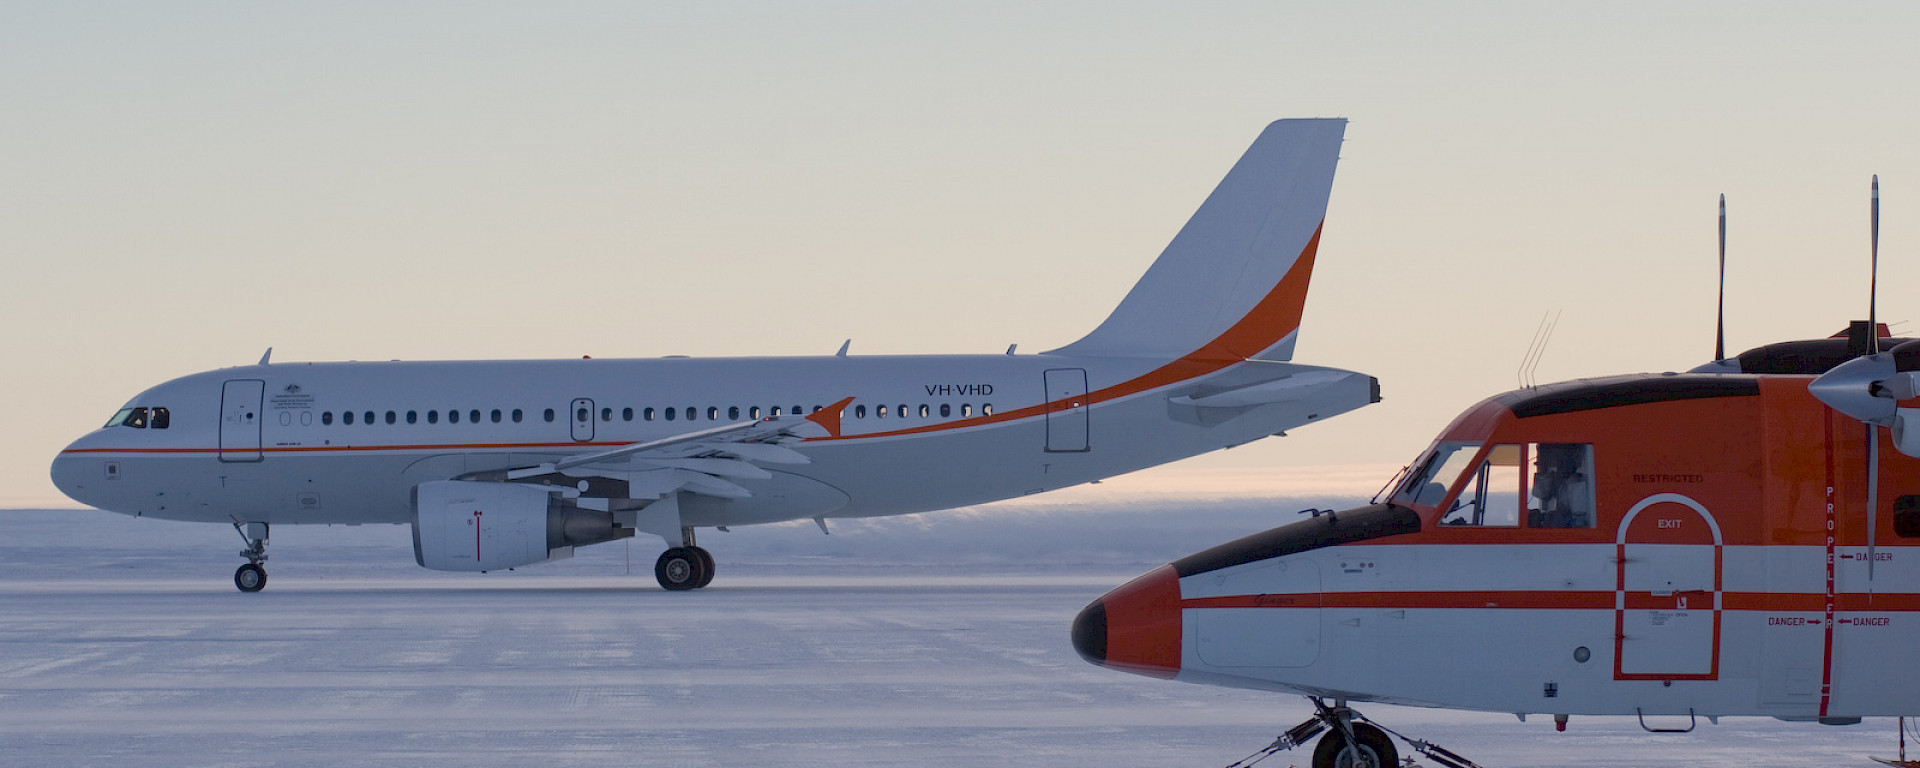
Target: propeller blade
{"x":1720,"y":320}
{"x":1873,"y":288}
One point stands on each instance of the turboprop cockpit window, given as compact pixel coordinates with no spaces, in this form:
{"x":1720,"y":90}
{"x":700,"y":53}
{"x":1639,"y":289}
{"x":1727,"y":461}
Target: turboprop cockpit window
{"x":1428,"y":487}
{"x":1491,"y":497}
{"x":1562,"y":486}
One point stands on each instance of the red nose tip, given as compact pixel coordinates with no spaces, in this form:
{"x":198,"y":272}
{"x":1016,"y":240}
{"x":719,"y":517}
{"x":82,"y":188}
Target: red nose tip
{"x":1135,"y":628}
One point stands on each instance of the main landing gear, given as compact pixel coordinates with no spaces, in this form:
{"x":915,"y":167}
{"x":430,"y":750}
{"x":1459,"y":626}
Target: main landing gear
{"x":252,"y":577}
{"x":1351,"y":741}
{"x":684,"y":568}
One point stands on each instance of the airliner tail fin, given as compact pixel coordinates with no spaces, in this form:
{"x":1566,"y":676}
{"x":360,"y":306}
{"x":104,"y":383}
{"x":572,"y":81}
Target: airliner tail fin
{"x":1233,"y":283}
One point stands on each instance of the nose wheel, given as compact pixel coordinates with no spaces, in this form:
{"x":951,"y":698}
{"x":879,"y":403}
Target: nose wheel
{"x":252,"y":577}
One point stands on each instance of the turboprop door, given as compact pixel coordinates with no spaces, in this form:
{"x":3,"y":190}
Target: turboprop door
{"x":240,"y":419}
{"x":1667,"y":617}
{"x":1067,"y":410}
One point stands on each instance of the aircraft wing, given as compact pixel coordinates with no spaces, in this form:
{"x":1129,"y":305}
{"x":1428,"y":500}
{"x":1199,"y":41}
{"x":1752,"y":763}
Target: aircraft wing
{"x":705,"y":462}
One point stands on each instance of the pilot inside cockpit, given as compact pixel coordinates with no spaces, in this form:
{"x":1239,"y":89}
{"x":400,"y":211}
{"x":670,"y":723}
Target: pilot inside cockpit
{"x":1562,"y":487}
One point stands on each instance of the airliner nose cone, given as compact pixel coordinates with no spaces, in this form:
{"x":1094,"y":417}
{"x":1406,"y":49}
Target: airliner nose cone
{"x":1135,"y":628}
{"x":66,"y":477}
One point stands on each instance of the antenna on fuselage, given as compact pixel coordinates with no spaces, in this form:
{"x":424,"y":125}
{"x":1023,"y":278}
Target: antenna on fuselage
{"x":1535,"y":350}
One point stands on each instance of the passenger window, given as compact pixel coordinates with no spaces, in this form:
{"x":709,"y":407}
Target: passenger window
{"x":160,"y":418}
{"x":797,"y":410}
{"x":495,"y":415}
{"x":1561,"y":491}
{"x":966,"y":409}
{"x":326,"y":418}
{"x":453,"y":416}
{"x":923,"y":410}
{"x":986,"y":409}
{"x":346,"y":417}
{"x":433,"y":417}
{"x":713,"y":413}
{"x":946,"y":410}
{"x":692,"y":413}
{"x":549,"y":415}
{"x":776,"y":411}
{"x":368,"y":419}
{"x":647,"y":414}
{"x":754,"y":413}
{"x":626,"y":414}
{"x":474,"y":415}
{"x":413,"y":417}
{"x":606,"y":414}
{"x":671,"y":412}
{"x":582,"y":415}
{"x":516,"y":415}
{"x":391,"y":417}
{"x":859,"y":411}
{"x":733,"y":413}
{"x":1491,"y":497}
{"x":879,"y":411}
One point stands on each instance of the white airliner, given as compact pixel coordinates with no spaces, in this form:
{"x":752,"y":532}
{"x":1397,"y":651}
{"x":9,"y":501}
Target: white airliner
{"x":498,"y":464}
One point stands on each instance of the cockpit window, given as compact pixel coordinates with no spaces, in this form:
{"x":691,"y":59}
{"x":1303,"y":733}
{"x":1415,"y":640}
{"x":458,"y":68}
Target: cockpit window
{"x":159,"y":418}
{"x":129,"y":417}
{"x":1428,"y":486}
{"x":1562,"y":487}
{"x":1491,"y":497}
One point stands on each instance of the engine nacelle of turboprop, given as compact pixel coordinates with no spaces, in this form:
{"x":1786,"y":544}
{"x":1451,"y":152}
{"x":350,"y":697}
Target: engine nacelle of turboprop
{"x":474,"y":526}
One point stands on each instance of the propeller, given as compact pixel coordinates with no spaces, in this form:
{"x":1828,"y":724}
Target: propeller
{"x":1720,"y":321}
{"x":1873,"y":334}
{"x":1869,"y":388}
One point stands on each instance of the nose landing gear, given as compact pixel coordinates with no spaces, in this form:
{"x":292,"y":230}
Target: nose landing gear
{"x":1351,"y":741}
{"x":252,"y":577}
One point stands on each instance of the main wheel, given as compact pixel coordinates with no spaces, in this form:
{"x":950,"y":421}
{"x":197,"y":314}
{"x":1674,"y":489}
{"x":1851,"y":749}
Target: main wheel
{"x":706,"y":564}
{"x":250,"y":578}
{"x":1374,"y":749}
{"x":680,"y":568}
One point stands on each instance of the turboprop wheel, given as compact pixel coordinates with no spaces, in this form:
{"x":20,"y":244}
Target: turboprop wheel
{"x":706,"y":564}
{"x":250,"y":578}
{"x":1374,"y":749}
{"x":681,"y":568}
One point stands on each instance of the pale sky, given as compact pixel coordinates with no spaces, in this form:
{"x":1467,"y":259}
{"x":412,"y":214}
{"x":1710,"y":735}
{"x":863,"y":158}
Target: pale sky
{"x":184,"y":185}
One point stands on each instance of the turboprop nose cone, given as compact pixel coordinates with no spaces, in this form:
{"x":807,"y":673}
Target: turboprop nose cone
{"x":1135,"y":628}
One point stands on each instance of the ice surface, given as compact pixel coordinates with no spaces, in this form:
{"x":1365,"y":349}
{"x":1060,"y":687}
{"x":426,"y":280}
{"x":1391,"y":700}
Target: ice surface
{"x":935,"y":640}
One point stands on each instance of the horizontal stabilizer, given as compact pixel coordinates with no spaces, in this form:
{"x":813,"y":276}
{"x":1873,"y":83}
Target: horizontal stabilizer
{"x":1277,"y":391}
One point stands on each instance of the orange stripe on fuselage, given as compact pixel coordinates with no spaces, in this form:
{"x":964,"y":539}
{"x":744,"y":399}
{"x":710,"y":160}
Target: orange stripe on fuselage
{"x":1277,"y":315}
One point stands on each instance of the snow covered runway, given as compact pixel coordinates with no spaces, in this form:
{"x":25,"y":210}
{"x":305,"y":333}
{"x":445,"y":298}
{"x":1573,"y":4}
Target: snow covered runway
{"x":125,"y":645}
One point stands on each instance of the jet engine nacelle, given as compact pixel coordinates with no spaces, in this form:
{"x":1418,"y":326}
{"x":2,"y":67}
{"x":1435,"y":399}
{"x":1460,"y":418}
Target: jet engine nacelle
{"x":469,"y":526}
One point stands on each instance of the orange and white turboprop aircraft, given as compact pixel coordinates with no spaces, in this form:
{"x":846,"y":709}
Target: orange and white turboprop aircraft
{"x":1741,"y":539}
{"x":498,"y":464}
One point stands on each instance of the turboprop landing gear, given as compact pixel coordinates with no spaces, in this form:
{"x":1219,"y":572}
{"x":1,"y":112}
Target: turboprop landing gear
{"x":683,"y":568}
{"x":252,"y":577}
{"x":1351,"y":741}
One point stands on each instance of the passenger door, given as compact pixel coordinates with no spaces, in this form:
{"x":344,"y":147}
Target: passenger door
{"x":1067,"y":410}
{"x":240,"y":401}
